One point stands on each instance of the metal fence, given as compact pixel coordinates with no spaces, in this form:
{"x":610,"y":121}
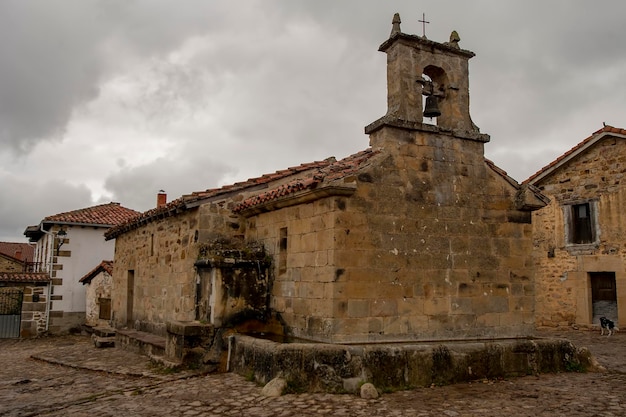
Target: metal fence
{"x":10,"y":312}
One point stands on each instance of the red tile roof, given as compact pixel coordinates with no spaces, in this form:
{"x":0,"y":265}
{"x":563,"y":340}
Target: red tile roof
{"x":20,"y":251}
{"x":24,"y":277}
{"x":597,"y":135}
{"x":262,"y":180}
{"x":334,"y":171}
{"x":110,"y":214}
{"x":192,"y":200}
{"x":106,"y":266}
{"x":311,"y":175}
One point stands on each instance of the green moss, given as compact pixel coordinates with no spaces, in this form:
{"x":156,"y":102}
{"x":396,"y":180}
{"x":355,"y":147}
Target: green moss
{"x":574,"y":366}
{"x":443,"y":366}
{"x":295,"y":386}
{"x":163,"y":370}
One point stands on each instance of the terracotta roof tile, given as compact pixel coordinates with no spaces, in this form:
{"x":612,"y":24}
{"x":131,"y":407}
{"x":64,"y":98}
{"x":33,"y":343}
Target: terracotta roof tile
{"x":566,"y":155}
{"x":110,"y":214}
{"x":331,"y":172}
{"x":181,"y":204}
{"x":106,"y":266}
{"x":24,"y":277}
{"x":501,"y":172}
{"x":280,"y":191}
{"x":19,"y":251}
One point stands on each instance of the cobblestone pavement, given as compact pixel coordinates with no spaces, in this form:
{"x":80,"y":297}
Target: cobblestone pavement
{"x":61,"y":376}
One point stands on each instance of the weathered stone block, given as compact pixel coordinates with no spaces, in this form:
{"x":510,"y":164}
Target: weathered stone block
{"x":461,"y":305}
{"x":410,"y":306}
{"x":398,"y":326}
{"x":469,"y":289}
{"x":437,"y":305}
{"x":384,"y":307}
{"x":358,"y":308}
{"x":490,"y":304}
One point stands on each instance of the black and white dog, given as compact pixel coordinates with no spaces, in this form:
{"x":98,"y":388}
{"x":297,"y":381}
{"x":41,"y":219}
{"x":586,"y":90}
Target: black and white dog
{"x":608,"y":325}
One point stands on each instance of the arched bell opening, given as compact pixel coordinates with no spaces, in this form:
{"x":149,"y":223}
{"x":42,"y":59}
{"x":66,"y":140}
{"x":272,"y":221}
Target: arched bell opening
{"x":433,"y":82}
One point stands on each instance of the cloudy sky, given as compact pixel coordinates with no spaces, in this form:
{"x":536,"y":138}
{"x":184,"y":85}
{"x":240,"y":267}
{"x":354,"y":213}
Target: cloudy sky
{"x":113,"y":100}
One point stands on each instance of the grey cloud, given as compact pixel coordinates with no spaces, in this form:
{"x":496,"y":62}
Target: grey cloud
{"x":54,"y":55}
{"x":275,"y":83}
{"x":36,"y":201}
{"x":137,"y":187}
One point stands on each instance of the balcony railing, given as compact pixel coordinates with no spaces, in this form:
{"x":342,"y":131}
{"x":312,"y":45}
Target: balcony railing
{"x":34,"y":267}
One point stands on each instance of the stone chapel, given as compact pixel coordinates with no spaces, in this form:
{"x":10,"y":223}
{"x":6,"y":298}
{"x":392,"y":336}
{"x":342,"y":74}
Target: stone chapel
{"x":417,"y":237}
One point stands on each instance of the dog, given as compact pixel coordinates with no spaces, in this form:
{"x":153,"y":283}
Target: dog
{"x":608,"y":325}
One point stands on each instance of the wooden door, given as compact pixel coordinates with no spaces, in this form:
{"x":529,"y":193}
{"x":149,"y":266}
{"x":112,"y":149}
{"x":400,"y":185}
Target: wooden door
{"x":603,"y":286}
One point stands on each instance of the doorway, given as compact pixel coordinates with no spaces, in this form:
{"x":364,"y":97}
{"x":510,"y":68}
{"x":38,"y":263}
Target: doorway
{"x":603,"y":296}
{"x":130,"y":296}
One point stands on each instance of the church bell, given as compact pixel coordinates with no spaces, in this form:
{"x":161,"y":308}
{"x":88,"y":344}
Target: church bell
{"x":431,"y":109}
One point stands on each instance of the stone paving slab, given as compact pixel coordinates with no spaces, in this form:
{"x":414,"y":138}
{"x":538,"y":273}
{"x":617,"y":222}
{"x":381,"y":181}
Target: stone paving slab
{"x":82,"y":354}
{"x":111,"y":382}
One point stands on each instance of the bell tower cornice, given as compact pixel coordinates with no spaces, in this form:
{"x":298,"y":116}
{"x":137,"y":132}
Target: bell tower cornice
{"x":416,"y":41}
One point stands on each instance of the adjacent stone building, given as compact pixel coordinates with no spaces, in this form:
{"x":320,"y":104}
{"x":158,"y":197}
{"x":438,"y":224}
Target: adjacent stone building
{"x":16,"y":256}
{"x":417,"y":237}
{"x":579,"y":238}
{"x":23,"y":294}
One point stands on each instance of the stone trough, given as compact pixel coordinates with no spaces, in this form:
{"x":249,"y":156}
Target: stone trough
{"x":396,"y":366}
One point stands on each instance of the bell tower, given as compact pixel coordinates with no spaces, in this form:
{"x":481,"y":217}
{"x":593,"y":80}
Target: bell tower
{"x":427,"y":80}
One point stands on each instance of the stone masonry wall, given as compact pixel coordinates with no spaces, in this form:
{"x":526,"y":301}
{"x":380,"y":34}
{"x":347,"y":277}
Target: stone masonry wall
{"x":429,"y":247}
{"x":9,"y":265}
{"x":450,"y":252}
{"x":563,"y":286}
{"x":303,"y":292}
{"x":160,"y":255}
{"x":34,"y":311}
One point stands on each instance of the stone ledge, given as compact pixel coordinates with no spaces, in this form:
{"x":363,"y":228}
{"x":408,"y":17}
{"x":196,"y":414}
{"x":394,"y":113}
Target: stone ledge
{"x":335,"y":368}
{"x":188,"y":328}
{"x":140,"y":342}
{"x":395,"y":122}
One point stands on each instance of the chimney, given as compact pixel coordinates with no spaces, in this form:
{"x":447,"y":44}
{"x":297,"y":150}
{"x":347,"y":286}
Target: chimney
{"x":18,"y":254}
{"x":161,"y":198}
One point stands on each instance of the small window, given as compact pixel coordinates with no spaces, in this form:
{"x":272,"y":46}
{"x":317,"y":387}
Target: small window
{"x":105,"y":308}
{"x":282,"y":251}
{"x":581,"y":224}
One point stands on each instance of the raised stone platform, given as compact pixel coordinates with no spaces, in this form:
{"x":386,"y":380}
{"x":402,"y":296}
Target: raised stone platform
{"x":343,"y":368}
{"x":144,"y":343}
{"x":186,"y":344}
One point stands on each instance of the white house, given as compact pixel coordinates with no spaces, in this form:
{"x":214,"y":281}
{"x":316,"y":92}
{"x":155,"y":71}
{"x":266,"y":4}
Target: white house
{"x":68,"y":245}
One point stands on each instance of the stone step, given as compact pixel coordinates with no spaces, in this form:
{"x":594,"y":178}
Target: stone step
{"x":103,"y":342}
{"x":104,"y":332}
{"x":140,"y":342}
